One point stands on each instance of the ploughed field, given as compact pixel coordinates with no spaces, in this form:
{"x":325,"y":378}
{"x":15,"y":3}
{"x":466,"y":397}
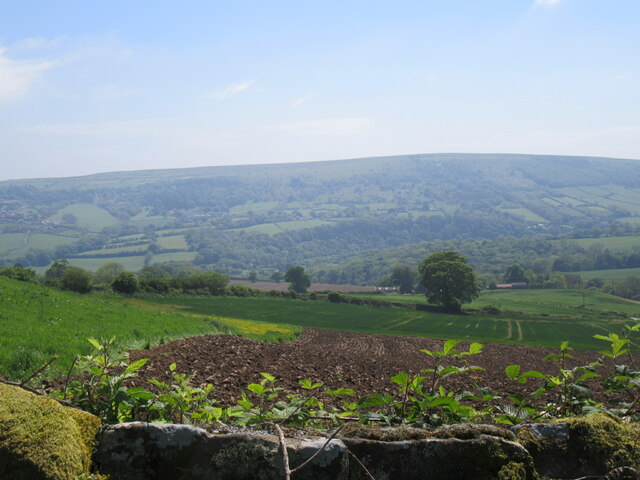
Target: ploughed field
{"x":362,"y":362}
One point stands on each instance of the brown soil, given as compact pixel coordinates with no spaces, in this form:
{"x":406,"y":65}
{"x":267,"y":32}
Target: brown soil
{"x":363,"y":362}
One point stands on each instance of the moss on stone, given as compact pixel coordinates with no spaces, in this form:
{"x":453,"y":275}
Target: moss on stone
{"x":513,"y":471}
{"x":41,"y":439}
{"x":604,"y":439}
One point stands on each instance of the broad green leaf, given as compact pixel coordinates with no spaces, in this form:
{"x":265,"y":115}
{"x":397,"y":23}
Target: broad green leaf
{"x":256,"y":388}
{"x":172,"y":367}
{"x":475,"y":348}
{"x":401,"y":378}
{"x":512,"y":371}
{"x":341,"y":391}
{"x":268,"y":376}
{"x":449,"y":345}
{"x":137,"y":365}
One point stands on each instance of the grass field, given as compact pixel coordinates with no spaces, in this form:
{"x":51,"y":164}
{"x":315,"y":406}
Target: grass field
{"x":41,"y":241}
{"x":538,"y":301}
{"x":612,"y":243}
{"x":89,"y":216}
{"x":543,"y":320}
{"x":38,"y":322}
{"x":609,"y":275}
{"x":173,"y":242}
{"x":526,"y":213}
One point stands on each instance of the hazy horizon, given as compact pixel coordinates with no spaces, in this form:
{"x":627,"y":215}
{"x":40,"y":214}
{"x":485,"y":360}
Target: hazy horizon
{"x":91,"y":88}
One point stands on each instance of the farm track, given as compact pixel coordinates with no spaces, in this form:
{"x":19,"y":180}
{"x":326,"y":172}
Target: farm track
{"x":363,"y":362}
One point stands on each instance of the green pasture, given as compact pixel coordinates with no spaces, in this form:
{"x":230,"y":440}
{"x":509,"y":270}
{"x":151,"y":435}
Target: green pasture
{"x":37,"y":323}
{"x":630,"y":220}
{"x":526,"y":213}
{"x":173,"y":242}
{"x":40,"y":241}
{"x":131,"y":264}
{"x":107,"y":251}
{"x":535,"y":319}
{"x":89,"y":216}
{"x":275,"y":228}
{"x":612,"y":243}
{"x":609,"y":275}
{"x":537,"y":301}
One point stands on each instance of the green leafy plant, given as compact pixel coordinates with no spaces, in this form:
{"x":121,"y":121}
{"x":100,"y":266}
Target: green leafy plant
{"x":101,"y":389}
{"x":559,"y":395}
{"x":624,"y":379}
{"x":181,"y":402}
{"x":423,"y":398}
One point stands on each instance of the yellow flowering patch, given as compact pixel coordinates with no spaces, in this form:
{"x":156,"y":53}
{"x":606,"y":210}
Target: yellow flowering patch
{"x":250,"y":327}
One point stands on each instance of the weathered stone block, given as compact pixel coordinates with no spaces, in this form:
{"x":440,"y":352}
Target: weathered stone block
{"x":139,"y":451}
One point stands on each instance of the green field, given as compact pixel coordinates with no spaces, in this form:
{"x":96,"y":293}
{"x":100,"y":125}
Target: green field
{"x":536,"y":319}
{"x":177,"y":242}
{"x":526,"y":213}
{"x":89,"y":216}
{"x":612,"y":243}
{"x":609,"y":275}
{"x":37,"y":323}
{"x":41,"y":241}
{"x":275,"y":228}
{"x":537,"y":301}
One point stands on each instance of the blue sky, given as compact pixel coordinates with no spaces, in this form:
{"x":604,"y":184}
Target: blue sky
{"x":88,"y":87}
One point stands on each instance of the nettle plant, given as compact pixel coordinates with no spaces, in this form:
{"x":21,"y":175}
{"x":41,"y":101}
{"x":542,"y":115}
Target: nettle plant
{"x":624,"y":379}
{"x":423,"y":398}
{"x":269,"y":406}
{"x":562,"y":394}
{"x":101,"y":389}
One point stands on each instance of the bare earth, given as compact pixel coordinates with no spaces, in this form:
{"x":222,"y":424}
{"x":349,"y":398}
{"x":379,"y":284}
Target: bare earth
{"x":363,"y":362}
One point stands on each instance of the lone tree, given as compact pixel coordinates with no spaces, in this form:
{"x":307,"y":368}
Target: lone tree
{"x":298,"y":280}
{"x":449,"y":281}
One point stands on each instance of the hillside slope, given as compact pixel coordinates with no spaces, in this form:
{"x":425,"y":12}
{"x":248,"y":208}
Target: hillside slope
{"x":266,"y":217}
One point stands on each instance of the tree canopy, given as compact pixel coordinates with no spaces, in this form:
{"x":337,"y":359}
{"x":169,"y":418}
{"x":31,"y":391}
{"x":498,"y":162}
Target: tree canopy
{"x":404,"y":278}
{"x":449,"y":281}
{"x":298,"y":280}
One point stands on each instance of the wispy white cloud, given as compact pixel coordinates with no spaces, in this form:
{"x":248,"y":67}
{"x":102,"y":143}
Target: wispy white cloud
{"x":17,"y":76}
{"x":230,"y":91}
{"x":327,"y":126}
{"x":622,"y":76}
{"x":40,"y":43}
{"x":298,"y":102}
{"x":129,"y":127}
{"x":545,"y":3}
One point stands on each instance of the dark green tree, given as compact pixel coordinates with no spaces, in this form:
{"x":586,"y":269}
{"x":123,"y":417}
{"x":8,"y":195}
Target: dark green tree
{"x":277,"y":277}
{"x":449,"y":281}
{"x":298,"y":280}
{"x":126,"y":283}
{"x":515,"y":273}
{"x":75,"y":279}
{"x":404,"y":278}
{"x":55,"y":271}
{"x":253,"y":276}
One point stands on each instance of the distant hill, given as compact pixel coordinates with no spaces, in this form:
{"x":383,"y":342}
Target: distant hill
{"x":266,"y":217}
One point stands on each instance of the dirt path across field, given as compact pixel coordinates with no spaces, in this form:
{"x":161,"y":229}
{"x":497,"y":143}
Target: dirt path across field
{"x":363,"y":362}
